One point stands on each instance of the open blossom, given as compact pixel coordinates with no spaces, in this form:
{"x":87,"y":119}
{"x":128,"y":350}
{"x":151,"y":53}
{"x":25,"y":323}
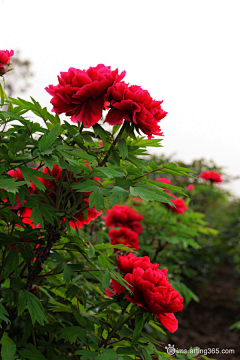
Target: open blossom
{"x":81,"y":94}
{"x":124,"y":216}
{"x":150,"y":289}
{"x":190,"y":187}
{"x":180,"y":205}
{"x":212,"y":176}
{"x":124,"y":236}
{"x":134,"y":104}
{"x":5,"y":56}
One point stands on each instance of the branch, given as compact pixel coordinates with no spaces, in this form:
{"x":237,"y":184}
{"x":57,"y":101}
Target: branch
{"x":53,"y":236}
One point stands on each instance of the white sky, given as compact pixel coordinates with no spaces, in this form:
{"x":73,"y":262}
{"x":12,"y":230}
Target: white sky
{"x":184,"y":52}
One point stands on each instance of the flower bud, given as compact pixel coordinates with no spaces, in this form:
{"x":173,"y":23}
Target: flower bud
{"x":5,"y":60}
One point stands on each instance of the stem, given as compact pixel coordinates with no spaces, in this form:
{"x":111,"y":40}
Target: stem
{"x":113,"y":332}
{"x":150,"y":172}
{"x":34,"y":270}
{"x":14,"y":167}
{"x":103,"y":162}
{"x":81,"y":128}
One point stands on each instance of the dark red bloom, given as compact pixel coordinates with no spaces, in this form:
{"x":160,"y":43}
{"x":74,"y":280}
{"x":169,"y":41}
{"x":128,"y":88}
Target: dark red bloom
{"x":5,"y":60}
{"x":212,"y":176}
{"x":164,"y":180}
{"x":81,"y":94}
{"x":124,"y":236}
{"x":180,"y":205}
{"x":132,"y":103}
{"x":123,"y":215}
{"x":150,"y":289}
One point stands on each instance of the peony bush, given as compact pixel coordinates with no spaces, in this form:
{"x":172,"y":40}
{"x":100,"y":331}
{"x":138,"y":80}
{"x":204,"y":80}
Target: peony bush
{"x":68,"y":289}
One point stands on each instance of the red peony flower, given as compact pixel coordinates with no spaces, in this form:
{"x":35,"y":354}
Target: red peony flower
{"x":164,"y":180}
{"x":5,"y":60}
{"x":190,"y":187}
{"x":212,"y":176}
{"x":123,"y":215}
{"x":134,"y":104}
{"x":124,"y":236}
{"x":150,"y":289}
{"x":81,"y":94}
{"x":180,"y":205}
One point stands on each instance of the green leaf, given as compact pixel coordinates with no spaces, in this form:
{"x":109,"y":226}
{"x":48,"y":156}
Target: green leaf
{"x":72,"y":129}
{"x":118,"y":194}
{"x":99,"y":131}
{"x":27,"y":331}
{"x":22,"y":302}
{"x":139,"y":322}
{"x":16,"y":283}
{"x":155,"y":326}
{"x":71,"y":333}
{"x":127,"y":351}
{"x":35,"y":308}
{"x":36,"y":216}
{"x":18,"y":143}
{"x":146,"y":354}
{"x":111,"y":173}
{"x":87,"y":354}
{"x":48,"y":139}
{"x":91,"y":251}
{"x":33,"y":354}
{"x":136,"y":161}
{"x":96,"y":199}
{"x":48,"y":160}
{"x":8,"y":348}
{"x":106,"y":280}
{"x":3,"y":314}
{"x":107,"y":354}
{"x":10,"y":184}
{"x":68,"y":273}
{"x":122,"y":147}
{"x":192,"y":352}
{"x":86,"y":186}
{"x":11,"y":262}
{"x":48,"y":212}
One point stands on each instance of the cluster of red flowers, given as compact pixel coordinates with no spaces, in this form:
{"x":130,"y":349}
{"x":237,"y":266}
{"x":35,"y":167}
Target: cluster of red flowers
{"x":83,"y":94}
{"x":129,"y":222}
{"x":51,"y":185}
{"x":212,"y":176}
{"x":180,"y":205}
{"x":150,"y":289}
{"x":5,"y":56}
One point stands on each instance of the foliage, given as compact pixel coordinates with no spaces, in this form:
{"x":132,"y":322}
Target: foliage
{"x":55,"y":267}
